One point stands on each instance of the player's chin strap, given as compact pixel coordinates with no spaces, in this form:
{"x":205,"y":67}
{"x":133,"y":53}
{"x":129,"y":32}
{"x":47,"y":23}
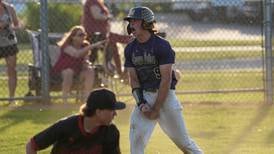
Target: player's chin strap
{"x":139,"y":97}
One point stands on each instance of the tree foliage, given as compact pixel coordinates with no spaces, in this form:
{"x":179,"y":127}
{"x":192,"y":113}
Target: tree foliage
{"x":61,"y":17}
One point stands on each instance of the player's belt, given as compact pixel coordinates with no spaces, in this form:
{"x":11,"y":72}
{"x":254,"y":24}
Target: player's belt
{"x":154,"y":90}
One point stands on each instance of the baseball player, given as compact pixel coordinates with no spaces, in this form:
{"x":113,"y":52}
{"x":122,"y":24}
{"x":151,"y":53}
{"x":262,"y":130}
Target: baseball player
{"x":90,"y":132}
{"x":149,"y":60}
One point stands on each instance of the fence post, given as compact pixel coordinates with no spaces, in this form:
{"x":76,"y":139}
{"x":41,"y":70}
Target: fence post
{"x":268,"y":50}
{"x":44,"y":48}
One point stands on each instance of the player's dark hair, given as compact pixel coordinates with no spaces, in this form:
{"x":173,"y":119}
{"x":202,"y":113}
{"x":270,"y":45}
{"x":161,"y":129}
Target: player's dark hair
{"x":151,"y":26}
{"x":87,"y":112}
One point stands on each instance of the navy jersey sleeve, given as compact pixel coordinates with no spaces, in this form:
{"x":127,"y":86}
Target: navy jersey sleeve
{"x":49,"y":136}
{"x":128,"y":61}
{"x":111,"y":144}
{"x":165,"y":53}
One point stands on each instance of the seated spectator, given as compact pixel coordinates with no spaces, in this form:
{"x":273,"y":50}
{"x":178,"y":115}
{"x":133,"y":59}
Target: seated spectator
{"x":91,"y":131}
{"x":73,"y":60}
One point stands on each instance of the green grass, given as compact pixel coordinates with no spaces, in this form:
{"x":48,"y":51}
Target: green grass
{"x":191,"y":82}
{"x":217,"y":43}
{"x":217,"y":128}
{"x":25,"y":54}
{"x":205,"y":80}
{"x":21,"y":90}
{"x":216,"y":55}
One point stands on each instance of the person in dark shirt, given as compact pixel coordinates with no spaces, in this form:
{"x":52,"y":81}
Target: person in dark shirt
{"x":149,"y":59}
{"x":90,"y":132}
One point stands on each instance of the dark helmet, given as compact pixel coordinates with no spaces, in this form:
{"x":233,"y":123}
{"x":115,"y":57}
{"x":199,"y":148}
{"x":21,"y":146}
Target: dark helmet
{"x":141,"y":13}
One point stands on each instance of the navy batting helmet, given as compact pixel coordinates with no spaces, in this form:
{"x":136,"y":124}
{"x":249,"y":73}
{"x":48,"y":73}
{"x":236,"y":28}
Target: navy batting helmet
{"x":141,"y":13}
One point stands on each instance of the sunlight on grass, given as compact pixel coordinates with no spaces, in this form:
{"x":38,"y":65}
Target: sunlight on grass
{"x":204,"y":43}
{"x":217,"y":128}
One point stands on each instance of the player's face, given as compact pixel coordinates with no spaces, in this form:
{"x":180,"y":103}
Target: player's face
{"x":136,"y":26}
{"x":106,"y":116}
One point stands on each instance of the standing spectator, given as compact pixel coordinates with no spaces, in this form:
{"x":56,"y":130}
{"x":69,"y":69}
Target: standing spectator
{"x":96,"y":18}
{"x":149,"y":60}
{"x":90,"y":132}
{"x":8,"y":43}
{"x":73,"y":60}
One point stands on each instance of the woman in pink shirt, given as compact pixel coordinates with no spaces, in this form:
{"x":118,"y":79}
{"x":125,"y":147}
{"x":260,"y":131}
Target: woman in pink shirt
{"x":73,"y":60}
{"x":96,"y":18}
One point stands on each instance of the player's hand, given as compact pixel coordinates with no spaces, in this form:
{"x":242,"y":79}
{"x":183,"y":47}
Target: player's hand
{"x":152,"y":114}
{"x":144,"y":107}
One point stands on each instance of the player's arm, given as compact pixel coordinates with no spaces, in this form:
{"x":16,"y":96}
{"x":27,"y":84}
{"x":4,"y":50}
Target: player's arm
{"x":166,"y":75}
{"x":112,"y":141}
{"x":166,"y":59}
{"x":30,"y":149}
{"x":133,"y":79}
{"x":137,"y":91}
{"x":164,"y":87}
{"x":45,"y":138}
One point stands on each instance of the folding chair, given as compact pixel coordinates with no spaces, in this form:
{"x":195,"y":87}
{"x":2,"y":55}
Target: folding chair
{"x":55,"y":81}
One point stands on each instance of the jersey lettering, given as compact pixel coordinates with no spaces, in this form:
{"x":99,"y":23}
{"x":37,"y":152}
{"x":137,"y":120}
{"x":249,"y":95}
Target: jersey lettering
{"x":146,"y":59}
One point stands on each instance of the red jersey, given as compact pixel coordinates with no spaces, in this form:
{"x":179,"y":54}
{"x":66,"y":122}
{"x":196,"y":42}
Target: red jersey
{"x":68,"y":136}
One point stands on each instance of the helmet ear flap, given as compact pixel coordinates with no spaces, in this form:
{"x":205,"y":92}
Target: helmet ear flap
{"x":129,"y":29}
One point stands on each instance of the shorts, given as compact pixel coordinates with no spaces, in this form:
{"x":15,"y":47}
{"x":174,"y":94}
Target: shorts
{"x":8,"y":51}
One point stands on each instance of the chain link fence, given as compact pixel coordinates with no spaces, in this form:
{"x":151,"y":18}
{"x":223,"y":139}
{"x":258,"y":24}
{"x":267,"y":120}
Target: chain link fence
{"x":219,"y":45}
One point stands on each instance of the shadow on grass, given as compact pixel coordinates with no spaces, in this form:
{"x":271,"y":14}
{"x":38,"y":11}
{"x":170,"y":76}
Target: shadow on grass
{"x":269,"y":138}
{"x":36,"y":113}
{"x":262,"y":113}
{"x":46,"y":114}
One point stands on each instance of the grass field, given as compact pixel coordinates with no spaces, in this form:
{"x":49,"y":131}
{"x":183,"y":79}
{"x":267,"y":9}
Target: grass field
{"x":221,"y":123}
{"x":195,"y":81}
{"x":25,"y":54}
{"x":217,"y":128}
{"x":216,"y":43}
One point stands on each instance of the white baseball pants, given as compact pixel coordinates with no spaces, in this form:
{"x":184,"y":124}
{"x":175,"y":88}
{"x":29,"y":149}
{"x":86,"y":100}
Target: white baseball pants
{"x":170,"y":120}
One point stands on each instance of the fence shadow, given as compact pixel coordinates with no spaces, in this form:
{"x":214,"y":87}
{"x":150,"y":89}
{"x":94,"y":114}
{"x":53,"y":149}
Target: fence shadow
{"x":262,"y":113}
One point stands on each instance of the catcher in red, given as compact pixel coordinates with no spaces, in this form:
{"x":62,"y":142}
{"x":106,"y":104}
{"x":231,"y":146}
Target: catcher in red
{"x":90,"y":131}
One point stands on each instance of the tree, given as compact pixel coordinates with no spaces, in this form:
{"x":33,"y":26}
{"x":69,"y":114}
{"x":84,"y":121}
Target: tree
{"x":61,"y":16}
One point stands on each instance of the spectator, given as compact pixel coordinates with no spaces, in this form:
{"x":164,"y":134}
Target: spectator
{"x":8,"y":43}
{"x":89,"y":132}
{"x":96,"y":17}
{"x":73,"y":60}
